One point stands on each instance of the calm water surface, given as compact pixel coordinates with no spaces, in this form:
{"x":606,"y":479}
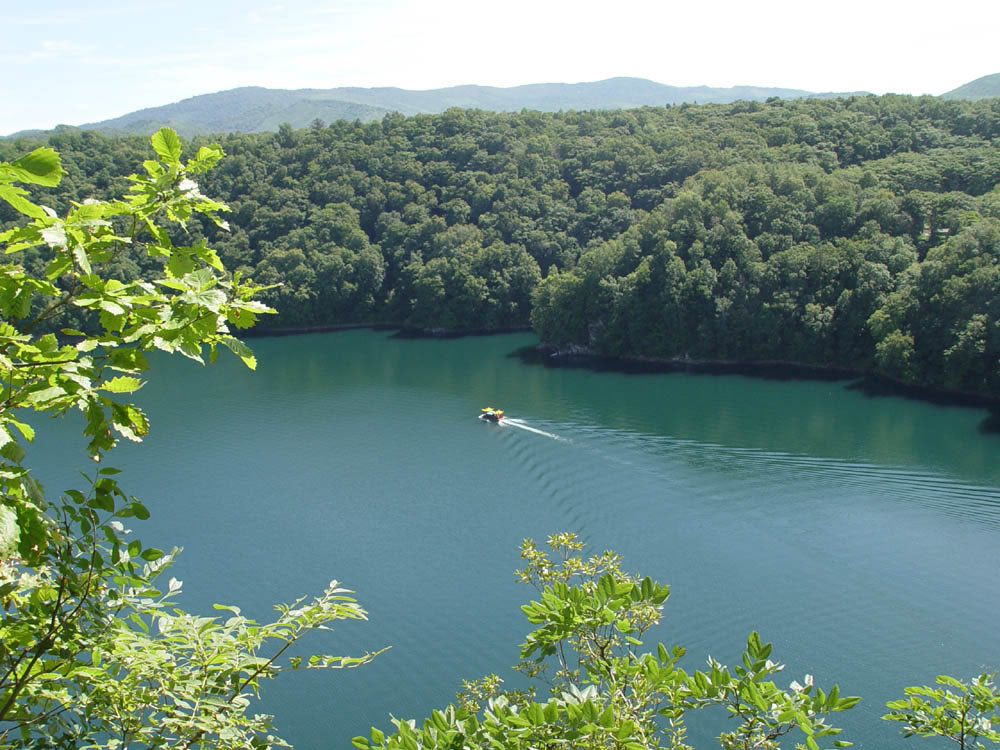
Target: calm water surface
{"x":861,"y":535}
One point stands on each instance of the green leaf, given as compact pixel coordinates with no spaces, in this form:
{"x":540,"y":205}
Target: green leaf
{"x":76,"y":496}
{"x":848,"y":703}
{"x":212,"y":299}
{"x":40,"y":167}
{"x":80,"y":255}
{"x":129,"y":360}
{"x":804,"y":723}
{"x":206,"y":158}
{"x":104,"y":501}
{"x":153,"y":168}
{"x":10,"y":533}
{"x":944,"y":679}
{"x":15,"y":197}
{"x":122,"y":384}
{"x":54,"y":236}
{"x":112,"y":307}
{"x":241,"y":350}
{"x":45,"y":394}
{"x":167,"y":145}
{"x":26,"y":430}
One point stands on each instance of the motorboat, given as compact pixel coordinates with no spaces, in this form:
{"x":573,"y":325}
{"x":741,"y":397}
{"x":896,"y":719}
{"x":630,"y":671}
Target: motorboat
{"x":491,"y":415}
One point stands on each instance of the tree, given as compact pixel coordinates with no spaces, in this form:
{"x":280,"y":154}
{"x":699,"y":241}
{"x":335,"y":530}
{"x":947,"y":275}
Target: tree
{"x":94,"y":652}
{"x":604,"y":692}
{"x":963,"y":712}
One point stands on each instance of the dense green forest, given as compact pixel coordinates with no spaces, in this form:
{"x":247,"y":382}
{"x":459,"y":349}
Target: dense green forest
{"x":860,"y":232}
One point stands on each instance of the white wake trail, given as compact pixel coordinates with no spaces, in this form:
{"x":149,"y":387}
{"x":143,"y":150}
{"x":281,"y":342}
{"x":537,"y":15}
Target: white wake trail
{"x":520,"y":423}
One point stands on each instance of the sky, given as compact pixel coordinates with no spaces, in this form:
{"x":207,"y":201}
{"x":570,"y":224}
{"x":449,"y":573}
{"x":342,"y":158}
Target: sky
{"x":74,"y":63}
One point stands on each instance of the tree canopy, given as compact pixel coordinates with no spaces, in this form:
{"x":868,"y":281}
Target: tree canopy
{"x":857,"y":232}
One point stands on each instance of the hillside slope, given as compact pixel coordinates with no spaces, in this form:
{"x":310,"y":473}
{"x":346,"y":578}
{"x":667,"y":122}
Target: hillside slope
{"x":981,"y":88}
{"x":256,"y":109}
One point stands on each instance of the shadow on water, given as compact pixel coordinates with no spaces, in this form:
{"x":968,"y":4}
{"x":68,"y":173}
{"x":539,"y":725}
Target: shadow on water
{"x":991,"y":425}
{"x":871,"y":386}
{"x":763,"y":370}
{"x":408,"y":332}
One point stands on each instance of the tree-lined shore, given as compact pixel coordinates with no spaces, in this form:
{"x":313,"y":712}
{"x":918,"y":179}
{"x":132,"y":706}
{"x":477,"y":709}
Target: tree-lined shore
{"x":861,"y":233}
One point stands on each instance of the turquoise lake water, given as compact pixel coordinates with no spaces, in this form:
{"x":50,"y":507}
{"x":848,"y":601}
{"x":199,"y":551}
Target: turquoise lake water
{"x":859,"y":533}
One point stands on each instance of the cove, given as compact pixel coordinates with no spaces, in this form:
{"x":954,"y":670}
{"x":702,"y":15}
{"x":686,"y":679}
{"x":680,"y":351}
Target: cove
{"x":859,"y":534}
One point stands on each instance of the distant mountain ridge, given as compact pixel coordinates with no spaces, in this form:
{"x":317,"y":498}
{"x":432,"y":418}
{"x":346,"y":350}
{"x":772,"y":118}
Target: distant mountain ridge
{"x":253,"y":108}
{"x":981,"y":88}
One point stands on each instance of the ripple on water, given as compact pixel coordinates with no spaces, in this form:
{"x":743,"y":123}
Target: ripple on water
{"x":863,"y":567}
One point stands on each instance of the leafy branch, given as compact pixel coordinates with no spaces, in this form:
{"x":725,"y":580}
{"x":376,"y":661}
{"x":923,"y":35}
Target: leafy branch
{"x":92,"y":652}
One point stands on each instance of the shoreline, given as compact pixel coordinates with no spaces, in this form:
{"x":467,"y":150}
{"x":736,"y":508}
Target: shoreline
{"x":871,"y":384}
{"x":403,"y":331}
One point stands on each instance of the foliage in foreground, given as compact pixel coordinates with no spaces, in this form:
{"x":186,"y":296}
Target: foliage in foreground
{"x":603,"y":691}
{"x":93,"y":651}
{"x":959,"y":711}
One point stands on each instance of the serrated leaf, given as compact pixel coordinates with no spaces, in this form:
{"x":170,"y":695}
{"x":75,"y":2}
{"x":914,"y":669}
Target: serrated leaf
{"x":211,"y":299}
{"x":111,"y":307}
{"x":57,"y":267}
{"x":10,"y":533}
{"x":54,"y":236}
{"x":241,"y":350}
{"x":24,"y":429}
{"x":40,"y":167}
{"x":122,"y":384}
{"x":167,"y":145}
{"x":15,"y":197}
{"x":80,"y":255}
{"x":45,"y":394}
{"x":153,"y":168}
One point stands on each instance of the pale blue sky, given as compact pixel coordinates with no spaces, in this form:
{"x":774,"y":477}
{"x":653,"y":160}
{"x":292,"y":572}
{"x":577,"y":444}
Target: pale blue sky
{"x":73,"y":62}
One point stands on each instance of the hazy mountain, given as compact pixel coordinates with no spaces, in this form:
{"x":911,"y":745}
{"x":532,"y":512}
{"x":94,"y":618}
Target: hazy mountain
{"x":253,"y":108}
{"x":981,"y":88}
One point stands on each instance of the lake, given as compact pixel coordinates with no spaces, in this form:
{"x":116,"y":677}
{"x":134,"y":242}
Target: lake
{"x":859,"y":533}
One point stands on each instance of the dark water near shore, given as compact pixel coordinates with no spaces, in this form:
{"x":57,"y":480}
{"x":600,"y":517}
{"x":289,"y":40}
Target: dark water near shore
{"x":861,"y":535}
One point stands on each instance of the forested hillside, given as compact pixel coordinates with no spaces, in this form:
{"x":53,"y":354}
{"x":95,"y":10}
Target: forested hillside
{"x":981,"y":88}
{"x":860,"y":232}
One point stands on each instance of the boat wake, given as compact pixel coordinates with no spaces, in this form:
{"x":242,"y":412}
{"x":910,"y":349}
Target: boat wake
{"x":520,"y":423}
